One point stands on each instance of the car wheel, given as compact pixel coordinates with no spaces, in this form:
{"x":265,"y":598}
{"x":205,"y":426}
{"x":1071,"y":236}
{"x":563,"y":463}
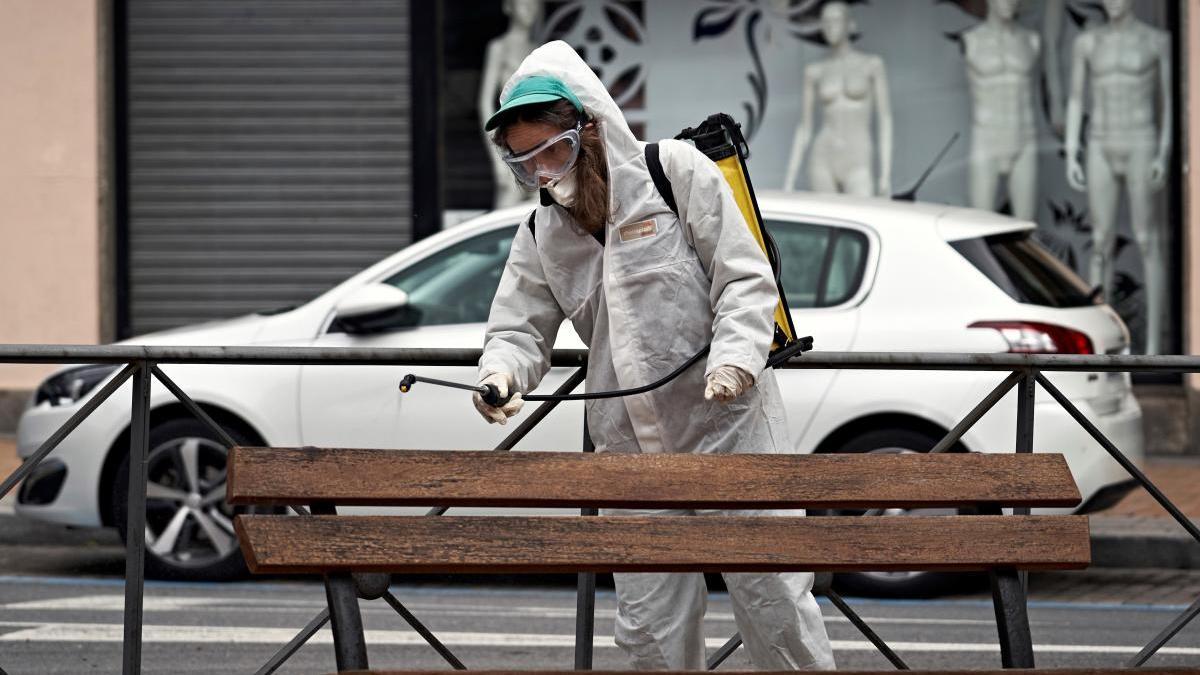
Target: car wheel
{"x":189,"y":527}
{"x":900,"y":584}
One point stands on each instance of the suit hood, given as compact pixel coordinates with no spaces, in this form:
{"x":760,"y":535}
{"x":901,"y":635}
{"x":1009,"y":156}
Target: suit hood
{"x":558,"y":59}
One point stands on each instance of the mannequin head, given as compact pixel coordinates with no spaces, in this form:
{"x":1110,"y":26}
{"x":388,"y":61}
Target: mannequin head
{"x":522,"y":12}
{"x":1117,"y":9}
{"x":836,"y":24}
{"x":1005,"y":10}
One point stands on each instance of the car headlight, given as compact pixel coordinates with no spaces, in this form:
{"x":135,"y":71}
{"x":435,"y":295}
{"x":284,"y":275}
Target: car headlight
{"x":71,"y":385}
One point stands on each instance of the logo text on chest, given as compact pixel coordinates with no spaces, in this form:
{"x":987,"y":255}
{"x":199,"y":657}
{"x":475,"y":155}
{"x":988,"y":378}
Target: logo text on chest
{"x":639,"y":230}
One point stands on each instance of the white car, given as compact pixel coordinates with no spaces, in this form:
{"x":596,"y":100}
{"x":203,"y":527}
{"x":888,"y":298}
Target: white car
{"x":860,"y":274}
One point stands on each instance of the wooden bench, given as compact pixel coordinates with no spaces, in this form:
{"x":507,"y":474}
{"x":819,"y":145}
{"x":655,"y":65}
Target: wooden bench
{"x":337,"y":546}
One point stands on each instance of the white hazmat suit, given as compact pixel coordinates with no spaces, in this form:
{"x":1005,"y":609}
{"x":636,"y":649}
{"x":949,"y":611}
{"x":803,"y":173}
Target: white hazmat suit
{"x":657,"y":290}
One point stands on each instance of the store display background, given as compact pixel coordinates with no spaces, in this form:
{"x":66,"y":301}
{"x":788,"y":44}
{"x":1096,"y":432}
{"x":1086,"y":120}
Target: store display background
{"x":671,"y":63}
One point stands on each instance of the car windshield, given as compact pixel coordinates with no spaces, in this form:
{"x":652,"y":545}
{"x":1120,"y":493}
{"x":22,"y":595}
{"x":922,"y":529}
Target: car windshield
{"x":456,"y":285}
{"x":1025,"y":270}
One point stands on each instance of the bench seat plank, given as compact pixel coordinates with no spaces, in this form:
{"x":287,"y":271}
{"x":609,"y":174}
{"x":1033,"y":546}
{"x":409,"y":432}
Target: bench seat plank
{"x":548,"y":544}
{"x":283,"y":476}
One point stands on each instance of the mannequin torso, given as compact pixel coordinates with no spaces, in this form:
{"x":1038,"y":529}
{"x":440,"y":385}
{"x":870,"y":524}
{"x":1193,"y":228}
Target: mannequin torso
{"x":844,"y":88}
{"x":851,"y":90}
{"x":1000,"y":63}
{"x":1128,"y":65}
{"x":1123,"y":62}
{"x":847,"y":87}
{"x":1001,"y":59}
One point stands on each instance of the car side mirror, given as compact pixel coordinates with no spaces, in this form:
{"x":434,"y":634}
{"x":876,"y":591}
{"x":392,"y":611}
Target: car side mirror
{"x":375,"y":308}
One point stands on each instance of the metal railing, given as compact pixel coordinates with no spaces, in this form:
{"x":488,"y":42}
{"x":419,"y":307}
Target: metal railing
{"x":141,"y":365}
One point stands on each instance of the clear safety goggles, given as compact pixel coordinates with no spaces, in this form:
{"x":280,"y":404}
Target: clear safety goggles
{"x":551,"y":160}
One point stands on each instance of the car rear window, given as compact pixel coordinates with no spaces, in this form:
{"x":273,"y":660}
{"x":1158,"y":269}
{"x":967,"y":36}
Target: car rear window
{"x":1025,"y":270}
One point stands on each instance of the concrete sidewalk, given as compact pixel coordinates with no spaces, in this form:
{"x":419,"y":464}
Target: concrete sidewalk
{"x":8,"y":456}
{"x":1137,"y":532}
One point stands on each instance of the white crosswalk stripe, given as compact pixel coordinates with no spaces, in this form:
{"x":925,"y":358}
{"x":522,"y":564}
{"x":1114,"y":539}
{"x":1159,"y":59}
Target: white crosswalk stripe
{"x":17,"y":631}
{"x":152,"y":603}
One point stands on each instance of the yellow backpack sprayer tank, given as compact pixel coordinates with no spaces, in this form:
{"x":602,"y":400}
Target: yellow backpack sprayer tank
{"x":720,"y":138}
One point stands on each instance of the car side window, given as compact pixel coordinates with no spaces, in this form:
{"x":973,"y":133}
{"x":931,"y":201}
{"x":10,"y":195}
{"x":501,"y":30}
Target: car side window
{"x":822,"y":265}
{"x":456,"y":284}
{"x":847,"y":262}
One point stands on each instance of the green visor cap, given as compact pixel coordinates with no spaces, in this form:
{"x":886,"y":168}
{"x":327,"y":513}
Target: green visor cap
{"x":536,"y":89}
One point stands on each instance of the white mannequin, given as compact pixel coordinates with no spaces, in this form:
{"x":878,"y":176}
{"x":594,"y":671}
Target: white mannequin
{"x":1129,"y":65}
{"x":851,"y":86}
{"x":1001,"y":60}
{"x":500,"y":61}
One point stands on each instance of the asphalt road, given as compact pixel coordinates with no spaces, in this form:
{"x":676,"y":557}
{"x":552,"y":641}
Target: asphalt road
{"x":73,"y":625}
{"x":61,"y":609}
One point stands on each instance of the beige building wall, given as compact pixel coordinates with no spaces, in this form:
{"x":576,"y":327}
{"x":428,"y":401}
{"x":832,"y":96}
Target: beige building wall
{"x":50,"y":248}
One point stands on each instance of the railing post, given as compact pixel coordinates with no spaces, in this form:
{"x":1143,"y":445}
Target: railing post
{"x":349,"y":643}
{"x":135,"y":540}
{"x":1009,"y":586}
{"x":585,"y":594}
{"x":1012,"y":619}
{"x":1025,"y":401}
{"x":1026,"y":397}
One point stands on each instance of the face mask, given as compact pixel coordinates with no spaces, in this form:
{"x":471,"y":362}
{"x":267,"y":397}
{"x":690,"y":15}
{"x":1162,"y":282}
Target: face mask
{"x":563,"y":190}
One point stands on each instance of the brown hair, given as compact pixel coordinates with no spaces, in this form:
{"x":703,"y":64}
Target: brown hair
{"x":590,"y":209}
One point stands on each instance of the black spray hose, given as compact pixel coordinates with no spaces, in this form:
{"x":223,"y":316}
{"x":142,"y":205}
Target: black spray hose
{"x":491,"y":395}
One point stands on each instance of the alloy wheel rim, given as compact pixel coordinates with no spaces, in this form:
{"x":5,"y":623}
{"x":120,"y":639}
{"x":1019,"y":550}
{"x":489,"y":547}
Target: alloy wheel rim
{"x":188,"y":523}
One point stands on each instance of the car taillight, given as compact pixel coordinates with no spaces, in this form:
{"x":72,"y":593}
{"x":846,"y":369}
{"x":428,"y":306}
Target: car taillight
{"x":1031,"y":337}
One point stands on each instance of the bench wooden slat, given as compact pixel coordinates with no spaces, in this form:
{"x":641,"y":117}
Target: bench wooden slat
{"x":548,"y":544}
{"x":283,"y":476}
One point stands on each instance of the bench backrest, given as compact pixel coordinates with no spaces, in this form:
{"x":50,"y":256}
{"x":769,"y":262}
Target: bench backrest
{"x":283,"y":476}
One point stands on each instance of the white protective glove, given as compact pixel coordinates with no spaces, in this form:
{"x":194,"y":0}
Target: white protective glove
{"x":727,"y":383}
{"x":503,"y":383}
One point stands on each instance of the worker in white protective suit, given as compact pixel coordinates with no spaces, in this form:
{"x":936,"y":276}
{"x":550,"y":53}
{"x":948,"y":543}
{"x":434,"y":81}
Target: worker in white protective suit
{"x":645,"y":290}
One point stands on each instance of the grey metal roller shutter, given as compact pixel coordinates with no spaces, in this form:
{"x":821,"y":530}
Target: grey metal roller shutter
{"x":268,"y":151}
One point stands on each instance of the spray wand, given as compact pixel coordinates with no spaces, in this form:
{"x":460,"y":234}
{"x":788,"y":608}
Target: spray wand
{"x":491,"y":395}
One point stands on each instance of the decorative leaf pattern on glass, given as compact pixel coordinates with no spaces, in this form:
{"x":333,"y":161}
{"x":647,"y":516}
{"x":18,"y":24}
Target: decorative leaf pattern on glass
{"x":758,"y":20}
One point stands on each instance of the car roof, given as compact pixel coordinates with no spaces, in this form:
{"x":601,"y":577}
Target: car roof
{"x":887,"y":217}
{"x":890,"y":216}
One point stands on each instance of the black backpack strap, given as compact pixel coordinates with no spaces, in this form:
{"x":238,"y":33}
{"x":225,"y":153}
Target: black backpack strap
{"x":654,"y":164}
{"x":531,"y":223}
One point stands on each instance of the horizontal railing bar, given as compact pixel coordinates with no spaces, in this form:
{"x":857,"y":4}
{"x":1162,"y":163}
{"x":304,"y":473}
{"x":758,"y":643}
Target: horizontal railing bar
{"x":577,"y":357}
{"x":257,"y":355}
